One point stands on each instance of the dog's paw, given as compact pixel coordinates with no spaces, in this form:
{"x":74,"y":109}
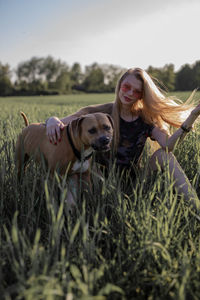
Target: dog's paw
{"x":70,"y":203}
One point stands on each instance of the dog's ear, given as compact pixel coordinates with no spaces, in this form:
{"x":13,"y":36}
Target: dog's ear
{"x":76,"y":125}
{"x":111,"y":120}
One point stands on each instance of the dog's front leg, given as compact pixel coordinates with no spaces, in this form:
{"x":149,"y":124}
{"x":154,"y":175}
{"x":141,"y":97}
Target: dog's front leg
{"x":77,"y":184}
{"x":71,"y":204}
{"x":86,"y":182}
{"x":72,"y":192}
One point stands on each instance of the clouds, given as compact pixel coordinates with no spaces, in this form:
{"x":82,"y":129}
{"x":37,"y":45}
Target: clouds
{"x":100,"y":17}
{"x":131,"y":33}
{"x":125,"y":32}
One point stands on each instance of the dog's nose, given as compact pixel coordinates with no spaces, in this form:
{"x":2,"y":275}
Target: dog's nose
{"x":104,"y":140}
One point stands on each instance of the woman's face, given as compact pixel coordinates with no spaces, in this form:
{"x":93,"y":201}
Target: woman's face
{"x":130,"y":90}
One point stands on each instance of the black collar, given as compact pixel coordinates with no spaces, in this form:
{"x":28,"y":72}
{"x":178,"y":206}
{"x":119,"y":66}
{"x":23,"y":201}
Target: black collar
{"x":76,"y":152}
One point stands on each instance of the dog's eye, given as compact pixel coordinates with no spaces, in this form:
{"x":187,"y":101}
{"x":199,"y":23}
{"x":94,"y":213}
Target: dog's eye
{"x":106,"y":127}
{"x":92,"y":130}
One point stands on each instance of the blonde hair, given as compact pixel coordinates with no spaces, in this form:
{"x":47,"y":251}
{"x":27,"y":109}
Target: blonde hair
{"x":154,"y":108}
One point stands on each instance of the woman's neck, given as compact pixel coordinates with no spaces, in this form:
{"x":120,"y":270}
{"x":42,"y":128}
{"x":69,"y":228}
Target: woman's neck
{"x":126,"y":113}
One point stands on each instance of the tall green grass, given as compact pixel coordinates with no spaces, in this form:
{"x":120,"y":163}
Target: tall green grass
{"x":126,"y":240}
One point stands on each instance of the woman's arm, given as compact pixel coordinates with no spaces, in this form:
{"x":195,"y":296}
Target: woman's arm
{"x":54,"y":124}
{"x":168,"y":142}
{"x":165,"y":141}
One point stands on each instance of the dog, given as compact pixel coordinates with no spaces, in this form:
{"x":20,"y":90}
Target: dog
{"x":79,"y":139}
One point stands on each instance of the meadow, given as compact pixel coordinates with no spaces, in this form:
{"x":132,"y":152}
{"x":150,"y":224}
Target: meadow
{"x":125,"y":241}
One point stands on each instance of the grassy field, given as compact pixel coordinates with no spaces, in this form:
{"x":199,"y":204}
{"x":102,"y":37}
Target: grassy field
{"x":125,"y":241}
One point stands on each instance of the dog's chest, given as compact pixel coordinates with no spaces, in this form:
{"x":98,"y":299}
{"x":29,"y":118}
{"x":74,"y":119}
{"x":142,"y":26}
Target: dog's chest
{"x":79,"y":166}
{"x":82,"y":166}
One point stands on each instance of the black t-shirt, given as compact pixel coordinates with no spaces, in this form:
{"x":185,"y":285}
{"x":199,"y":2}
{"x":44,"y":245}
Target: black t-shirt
{"x":133,"y":136}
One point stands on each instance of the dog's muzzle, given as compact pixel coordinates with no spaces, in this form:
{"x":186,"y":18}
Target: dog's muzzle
{"x":102,"y":144}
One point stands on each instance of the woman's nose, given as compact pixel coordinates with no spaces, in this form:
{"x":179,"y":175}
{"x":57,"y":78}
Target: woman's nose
{"x":130,"y":92}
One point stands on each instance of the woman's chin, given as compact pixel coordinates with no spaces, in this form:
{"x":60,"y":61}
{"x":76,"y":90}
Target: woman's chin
{"x":127,"y":102}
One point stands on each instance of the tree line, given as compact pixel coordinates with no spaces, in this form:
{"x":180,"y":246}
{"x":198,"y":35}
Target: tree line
{"x":49,"y":76}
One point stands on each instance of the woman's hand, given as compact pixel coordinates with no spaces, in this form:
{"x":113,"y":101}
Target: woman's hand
{"x":196,"y":111}
{"x":53,"y":128}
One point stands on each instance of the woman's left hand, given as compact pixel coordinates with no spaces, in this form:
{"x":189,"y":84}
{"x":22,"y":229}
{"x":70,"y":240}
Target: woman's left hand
{"x":196,"y":111}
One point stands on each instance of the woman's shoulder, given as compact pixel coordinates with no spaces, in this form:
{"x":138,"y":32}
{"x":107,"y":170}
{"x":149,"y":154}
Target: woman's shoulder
{"x":104,"y":108}
{"x":145,"y":121}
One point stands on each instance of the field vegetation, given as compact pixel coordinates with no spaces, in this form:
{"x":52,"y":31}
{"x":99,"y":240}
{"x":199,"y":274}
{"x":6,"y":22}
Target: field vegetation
{"x":126,"y":240}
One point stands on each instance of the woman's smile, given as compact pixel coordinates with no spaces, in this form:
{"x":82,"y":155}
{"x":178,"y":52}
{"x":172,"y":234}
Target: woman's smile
{"x":127,"y":99}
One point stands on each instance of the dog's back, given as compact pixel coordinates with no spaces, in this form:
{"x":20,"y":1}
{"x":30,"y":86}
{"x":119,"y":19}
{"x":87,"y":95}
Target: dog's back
{"x":33,"y":141}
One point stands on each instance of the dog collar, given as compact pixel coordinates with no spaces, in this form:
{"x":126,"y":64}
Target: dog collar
{"x":76,"y":152}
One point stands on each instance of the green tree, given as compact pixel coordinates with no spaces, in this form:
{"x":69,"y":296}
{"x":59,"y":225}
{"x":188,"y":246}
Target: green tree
{"x":168,"y":76}
{"x":41,"y":74}
{"x":111,"y":76}
{"x":63,"y":83}
{"x":76,"y":76}
{"x":185,"y":78}
{"x":37,"y":87}
{"x":196,"y":70}
{"x":50,"y":68}
{"x":6,"y":86}
{"x":21,"y":87}
{"x":94,"y":79}
{"x":29,"y":70}
{"x":76,"y":73}
{"x":163,"y":77}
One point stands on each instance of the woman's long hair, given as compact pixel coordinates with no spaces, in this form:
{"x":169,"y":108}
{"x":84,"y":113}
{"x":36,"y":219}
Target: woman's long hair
{"x":154,"y":108}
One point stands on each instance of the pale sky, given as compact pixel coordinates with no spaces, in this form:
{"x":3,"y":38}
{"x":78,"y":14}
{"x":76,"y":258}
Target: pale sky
{"x":127,"y":33}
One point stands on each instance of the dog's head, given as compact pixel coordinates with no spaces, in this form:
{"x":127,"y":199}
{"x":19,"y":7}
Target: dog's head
{"x":95,"y":130}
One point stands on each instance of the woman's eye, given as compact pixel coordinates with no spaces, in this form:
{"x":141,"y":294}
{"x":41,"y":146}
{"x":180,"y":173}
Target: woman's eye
{"x":92,"y":130}
{"x":125,"y":87}
{"x":138,"y":93}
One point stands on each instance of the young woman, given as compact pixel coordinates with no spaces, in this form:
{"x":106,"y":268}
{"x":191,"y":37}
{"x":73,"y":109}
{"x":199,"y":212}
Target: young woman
{"x":139,"y":111}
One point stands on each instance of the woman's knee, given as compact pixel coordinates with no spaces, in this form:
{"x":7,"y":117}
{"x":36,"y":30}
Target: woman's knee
{"x":159,"y":159}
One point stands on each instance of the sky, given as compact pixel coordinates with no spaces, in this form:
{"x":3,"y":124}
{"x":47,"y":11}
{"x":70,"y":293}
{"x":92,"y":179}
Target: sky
{"x":125,"y":33}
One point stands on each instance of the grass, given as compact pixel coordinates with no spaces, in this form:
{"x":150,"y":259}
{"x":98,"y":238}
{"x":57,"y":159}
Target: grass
{"x":125,"y":241}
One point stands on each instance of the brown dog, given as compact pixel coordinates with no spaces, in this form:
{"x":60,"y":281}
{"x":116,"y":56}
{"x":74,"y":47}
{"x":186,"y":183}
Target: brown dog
{"x":79,"y":139}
